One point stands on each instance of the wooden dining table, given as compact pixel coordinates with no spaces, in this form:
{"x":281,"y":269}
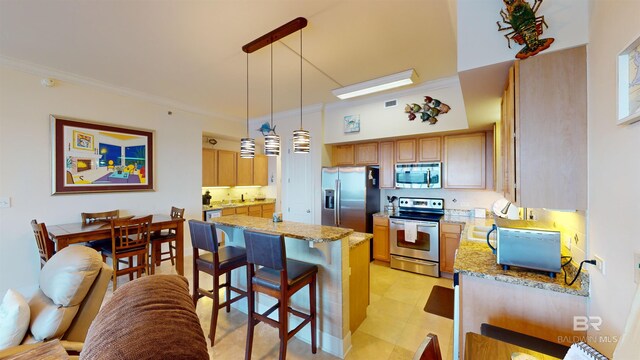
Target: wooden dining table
{"x":66,"y":234}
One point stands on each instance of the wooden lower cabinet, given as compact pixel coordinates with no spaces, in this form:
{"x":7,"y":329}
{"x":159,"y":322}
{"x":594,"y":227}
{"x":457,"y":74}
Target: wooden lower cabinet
{"x":255,"y":210}
{"x":359,"y":281}
{"x":449,"y":242}
{"x":268,"y":210}
{"x":381,"y":238}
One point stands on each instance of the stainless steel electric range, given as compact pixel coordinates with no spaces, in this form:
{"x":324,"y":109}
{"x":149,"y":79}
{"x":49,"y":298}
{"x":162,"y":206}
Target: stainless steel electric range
{"x":414,"y":234}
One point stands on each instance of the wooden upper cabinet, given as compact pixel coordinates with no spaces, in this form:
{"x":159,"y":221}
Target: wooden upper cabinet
{"x":261,"y":170}
{"x":245,"y":171}
{"x":226,"y":168}
{"x":465,"y":161}
{"x":209,"y":167}
{"x":387,"y":165}
{"x":551,"y":130}
{"x":406,"y":151}
{"x":343,"y":155}
{"x":366,"y":154}
{"x":429,"y":149}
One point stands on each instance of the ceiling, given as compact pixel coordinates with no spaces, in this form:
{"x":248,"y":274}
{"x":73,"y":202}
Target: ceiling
{"x":189,"y":52}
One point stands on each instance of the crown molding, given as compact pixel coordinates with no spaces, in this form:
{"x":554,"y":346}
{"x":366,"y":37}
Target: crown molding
{"x":47,"y":72}
{"x":426,"y":86}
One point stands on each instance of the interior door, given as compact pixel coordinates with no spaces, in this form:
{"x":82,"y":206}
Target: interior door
{"x":297,"y":186}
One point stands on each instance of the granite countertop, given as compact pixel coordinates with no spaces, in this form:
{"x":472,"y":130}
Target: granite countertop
{"x":475,"y":258}
{"x":358,"y":238}
{"x":308,"y":232}
{"x":223,"y":205}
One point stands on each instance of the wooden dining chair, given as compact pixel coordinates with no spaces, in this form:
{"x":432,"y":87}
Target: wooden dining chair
{"x":129,"y":240}
{"x":429,"y":349}
{"x":158,"y":238}
{"x":46,"y":247}
{"x":99,"y":217}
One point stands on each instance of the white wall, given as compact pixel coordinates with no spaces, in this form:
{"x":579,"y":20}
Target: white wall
{"x":614,"y":171}
{"x":480,"y":43}
{"x":25,"y":162}
{"x":378,"y":122}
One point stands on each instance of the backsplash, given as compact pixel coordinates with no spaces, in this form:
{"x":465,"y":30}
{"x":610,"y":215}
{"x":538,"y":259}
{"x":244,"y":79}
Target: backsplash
{"x":453,"y":199}
{"x":572,"y":225}
{"x":235,"y":193}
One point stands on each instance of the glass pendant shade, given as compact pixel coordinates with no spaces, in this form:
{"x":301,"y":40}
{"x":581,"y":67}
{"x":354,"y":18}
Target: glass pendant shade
{"x":272,"y":145}
{"x":301,"y":141}
{"x":247,"y":148}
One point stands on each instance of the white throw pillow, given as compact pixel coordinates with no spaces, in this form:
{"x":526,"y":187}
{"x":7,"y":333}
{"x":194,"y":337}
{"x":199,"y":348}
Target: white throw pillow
{"x":14,"y":319}
{"x":67,"y":277}
{"x":49,"y":320}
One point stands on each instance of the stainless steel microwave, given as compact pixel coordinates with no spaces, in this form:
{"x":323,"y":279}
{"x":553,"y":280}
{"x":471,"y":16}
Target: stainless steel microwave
{"x":419,"y":175}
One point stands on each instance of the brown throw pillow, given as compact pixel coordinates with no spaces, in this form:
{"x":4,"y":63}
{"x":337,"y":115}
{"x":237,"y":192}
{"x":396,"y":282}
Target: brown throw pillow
{"x":149,"y":318}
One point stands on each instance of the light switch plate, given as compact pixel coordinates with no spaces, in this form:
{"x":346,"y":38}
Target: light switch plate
{"x":5,"y":202}
{"x":636,"y":264}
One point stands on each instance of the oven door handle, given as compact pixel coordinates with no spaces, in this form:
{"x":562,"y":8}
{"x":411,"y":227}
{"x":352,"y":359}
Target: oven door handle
{"x":420,"y":225}
{"x":427,"y":263}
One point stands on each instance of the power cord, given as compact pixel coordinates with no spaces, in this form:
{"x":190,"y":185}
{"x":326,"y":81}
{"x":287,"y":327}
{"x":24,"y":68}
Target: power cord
{"x":592,"y":262}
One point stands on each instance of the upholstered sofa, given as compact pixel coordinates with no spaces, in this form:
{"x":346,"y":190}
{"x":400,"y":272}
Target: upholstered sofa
{"x":71,"y":288}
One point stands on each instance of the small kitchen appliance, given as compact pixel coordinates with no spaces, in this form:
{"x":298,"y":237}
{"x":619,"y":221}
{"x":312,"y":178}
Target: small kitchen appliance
{"x":528,"y":244}
{"x":414,"y":235}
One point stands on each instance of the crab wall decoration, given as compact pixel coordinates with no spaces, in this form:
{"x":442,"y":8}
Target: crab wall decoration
{"x":428,"y":111}
{"x":527,"y":27}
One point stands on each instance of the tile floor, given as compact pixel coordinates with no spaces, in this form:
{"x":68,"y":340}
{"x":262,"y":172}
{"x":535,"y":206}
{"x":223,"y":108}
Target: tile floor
{"x":395,"y":325}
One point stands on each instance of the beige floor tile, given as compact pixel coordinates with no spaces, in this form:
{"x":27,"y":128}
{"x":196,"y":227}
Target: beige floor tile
{"x":400,"y":353}
{"x":387,"y":330}
{"x":368,"y":347}
{"x":390,"y":309}
{"x":404,"y":294}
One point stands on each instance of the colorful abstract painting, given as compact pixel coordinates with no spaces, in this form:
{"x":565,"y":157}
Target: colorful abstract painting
{"x":91,"y":157}
{"x":629,"y":84}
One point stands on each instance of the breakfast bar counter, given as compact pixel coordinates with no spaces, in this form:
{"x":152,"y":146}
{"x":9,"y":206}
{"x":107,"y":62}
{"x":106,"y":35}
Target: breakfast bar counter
{"x":326,"y":246}
{"x":294,"y":230}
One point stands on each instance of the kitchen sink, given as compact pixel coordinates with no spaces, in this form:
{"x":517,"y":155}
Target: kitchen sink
{"x":479,"y":233}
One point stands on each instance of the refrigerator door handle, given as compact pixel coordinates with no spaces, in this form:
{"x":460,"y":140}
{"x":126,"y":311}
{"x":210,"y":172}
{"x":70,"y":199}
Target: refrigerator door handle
{"x":337,"y":212}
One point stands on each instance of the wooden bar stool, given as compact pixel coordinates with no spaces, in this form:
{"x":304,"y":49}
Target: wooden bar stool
{"x":46,"y":247}
{"x":280,"y":278}
{"x":216,"y":262}
{"x":164,"y":237}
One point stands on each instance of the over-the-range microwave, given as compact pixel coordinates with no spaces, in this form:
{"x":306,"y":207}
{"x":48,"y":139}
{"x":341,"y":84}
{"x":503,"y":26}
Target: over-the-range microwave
{"x":419,"y":175}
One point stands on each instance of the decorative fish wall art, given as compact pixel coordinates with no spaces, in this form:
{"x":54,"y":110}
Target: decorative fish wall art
{"x":526,"y":27}
{"x":266,"y":128}
{"x":428,"y":111}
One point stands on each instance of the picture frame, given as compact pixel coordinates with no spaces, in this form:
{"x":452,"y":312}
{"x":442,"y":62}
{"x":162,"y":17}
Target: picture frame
{"x":93,"y":157}
{"x":351,"y":124}
{"x":628,"y":83}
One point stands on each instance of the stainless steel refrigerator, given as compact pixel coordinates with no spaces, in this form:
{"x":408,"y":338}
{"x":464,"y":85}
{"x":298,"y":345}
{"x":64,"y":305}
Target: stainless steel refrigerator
{"x":350,"y":197}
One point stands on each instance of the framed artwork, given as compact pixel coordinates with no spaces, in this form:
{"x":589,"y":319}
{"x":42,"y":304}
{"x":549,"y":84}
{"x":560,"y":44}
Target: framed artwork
{"x":629,"y":84}
{"x":93,"y":157}
{"x":351,"y":124}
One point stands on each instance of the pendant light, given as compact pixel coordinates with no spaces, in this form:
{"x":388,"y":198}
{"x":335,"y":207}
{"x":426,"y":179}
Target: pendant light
{"x":247,"y":144}
{"x":301,"y":137}
{"x":272,"y":140}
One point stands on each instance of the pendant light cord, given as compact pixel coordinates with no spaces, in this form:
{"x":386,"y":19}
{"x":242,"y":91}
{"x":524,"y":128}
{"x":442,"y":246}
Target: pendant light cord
{"x":300,"y":79}
{"x":271,"y":86}
{"x":247,"y":95}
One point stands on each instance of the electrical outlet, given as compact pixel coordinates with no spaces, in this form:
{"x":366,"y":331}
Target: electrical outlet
{"x":567,"y":242}
{"x":599,"y":264}
{"x":5,"y":202}
{"x":636,"y":265}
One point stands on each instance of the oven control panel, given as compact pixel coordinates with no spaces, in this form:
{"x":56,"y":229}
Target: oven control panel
{"x":417,"y":204}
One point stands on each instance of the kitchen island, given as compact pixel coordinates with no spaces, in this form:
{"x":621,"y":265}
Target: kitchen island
{"x":326,"y":246}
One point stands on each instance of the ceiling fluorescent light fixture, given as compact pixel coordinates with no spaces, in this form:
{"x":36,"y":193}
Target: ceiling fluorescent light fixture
{"x":403,"y":78}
